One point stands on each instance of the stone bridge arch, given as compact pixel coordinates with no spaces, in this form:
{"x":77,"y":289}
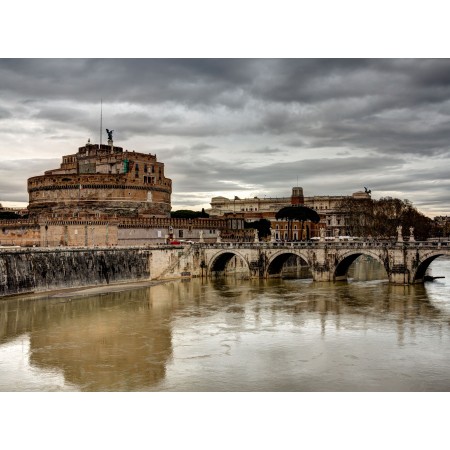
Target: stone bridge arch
{"x":423,"y":264}
{"x":345,"y":260}
{"x":277,"y":260}
{"x":220,"y":264}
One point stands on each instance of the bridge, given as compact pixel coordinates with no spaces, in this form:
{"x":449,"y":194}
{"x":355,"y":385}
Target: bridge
{"x":405,"y":262}
{"x":24,"y":270}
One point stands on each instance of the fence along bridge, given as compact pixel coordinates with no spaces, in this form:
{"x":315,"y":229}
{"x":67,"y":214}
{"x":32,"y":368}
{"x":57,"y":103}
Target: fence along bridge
{"x":405,"y":262}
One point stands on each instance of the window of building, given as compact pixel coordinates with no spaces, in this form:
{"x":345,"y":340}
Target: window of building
{"x":145,"y":168}
{"x":180,"y":233}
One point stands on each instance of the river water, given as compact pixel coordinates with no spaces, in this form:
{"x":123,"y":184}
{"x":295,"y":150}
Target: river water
{"x":233,"y":335}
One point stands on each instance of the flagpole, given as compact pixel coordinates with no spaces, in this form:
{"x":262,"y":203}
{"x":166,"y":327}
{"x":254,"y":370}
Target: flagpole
{"x":101,"y":119}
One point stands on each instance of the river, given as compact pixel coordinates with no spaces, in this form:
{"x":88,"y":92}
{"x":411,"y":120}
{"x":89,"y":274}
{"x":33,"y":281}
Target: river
{"x":233,"y":335}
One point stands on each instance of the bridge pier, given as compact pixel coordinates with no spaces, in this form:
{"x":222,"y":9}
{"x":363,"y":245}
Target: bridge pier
{"x":321,"y":272}
{"x":399,"y":274}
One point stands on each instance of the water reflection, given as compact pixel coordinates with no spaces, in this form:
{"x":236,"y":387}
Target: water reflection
{"x":234,"y":335}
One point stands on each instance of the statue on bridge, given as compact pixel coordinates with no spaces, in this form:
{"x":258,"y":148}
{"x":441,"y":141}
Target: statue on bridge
{"x":219,"y":239}
{"x":411,"y":234}
{"x":256,"y":236}
{"x":322,"y":235}
{"x":201,"y":240}
{"x":399,"y":234}
{"x":272,"y":235}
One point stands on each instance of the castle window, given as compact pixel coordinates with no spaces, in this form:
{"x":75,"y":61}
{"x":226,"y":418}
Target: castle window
{"x":180,"y":233}
{"x":145,"y":168}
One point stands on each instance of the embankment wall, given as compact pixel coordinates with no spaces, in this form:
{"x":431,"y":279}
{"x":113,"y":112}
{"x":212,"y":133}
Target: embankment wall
{"x":36,"y":270}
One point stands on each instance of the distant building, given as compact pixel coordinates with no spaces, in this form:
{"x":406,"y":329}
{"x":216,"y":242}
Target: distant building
{"x":265,"y":208}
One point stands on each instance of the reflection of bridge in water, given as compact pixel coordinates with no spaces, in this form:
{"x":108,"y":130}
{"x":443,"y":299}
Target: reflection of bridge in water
{"x":404,"y":262}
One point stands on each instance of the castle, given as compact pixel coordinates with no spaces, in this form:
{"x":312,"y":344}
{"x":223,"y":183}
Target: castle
{"x":104,"y":195}
{"x":102,"y":181}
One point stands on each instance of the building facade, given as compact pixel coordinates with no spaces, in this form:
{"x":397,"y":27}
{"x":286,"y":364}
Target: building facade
{"x":102,"y":181}
{"x":327,"y":206}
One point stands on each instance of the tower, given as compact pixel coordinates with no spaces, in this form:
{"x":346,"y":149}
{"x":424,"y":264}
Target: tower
{"x":297,"y":197}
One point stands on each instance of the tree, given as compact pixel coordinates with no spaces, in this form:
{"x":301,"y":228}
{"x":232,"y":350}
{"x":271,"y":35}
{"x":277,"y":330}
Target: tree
{"x":300,"y":213}
{"x":188,"y":214}
{"x":380,"y":218}
{"x":9,"y":215}
{"x":358,"y":215}
{"x":262,"y":225}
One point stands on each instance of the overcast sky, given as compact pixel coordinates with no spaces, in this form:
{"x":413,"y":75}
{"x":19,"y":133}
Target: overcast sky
{"x":245,"y":127}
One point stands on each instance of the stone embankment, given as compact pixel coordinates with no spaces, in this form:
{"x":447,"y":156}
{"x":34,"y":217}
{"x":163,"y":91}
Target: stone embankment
{"x":37,"y":270}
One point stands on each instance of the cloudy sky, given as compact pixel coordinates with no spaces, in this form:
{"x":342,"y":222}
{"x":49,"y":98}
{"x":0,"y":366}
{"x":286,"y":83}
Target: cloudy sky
{"x":245,"y":127}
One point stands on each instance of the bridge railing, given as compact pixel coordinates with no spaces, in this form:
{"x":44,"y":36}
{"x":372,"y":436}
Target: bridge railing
{"x":328,"y":244}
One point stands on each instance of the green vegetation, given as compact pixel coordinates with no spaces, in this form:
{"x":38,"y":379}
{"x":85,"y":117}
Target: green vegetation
{"x":298,"y":213}
{"x":262,"y":225}
{"x":9,"y":215}
{"x":188,"y":214}
{"x":380,"y":218}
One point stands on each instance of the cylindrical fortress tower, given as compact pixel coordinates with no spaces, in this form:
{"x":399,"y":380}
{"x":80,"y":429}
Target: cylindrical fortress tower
{"x":102,"y":181}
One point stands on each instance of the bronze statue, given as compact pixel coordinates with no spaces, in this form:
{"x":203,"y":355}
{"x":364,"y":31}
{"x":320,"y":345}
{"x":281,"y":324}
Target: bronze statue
{"x":109,"y":133}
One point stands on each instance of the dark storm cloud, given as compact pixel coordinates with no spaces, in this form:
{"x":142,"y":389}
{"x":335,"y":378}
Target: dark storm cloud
{"x":210,"y":172}
{"x":330,"y":101}
{"x":137,"y":81}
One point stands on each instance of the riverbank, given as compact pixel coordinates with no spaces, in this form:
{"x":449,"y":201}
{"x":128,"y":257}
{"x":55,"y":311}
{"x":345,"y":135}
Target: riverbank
{"x":84,"y":291}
